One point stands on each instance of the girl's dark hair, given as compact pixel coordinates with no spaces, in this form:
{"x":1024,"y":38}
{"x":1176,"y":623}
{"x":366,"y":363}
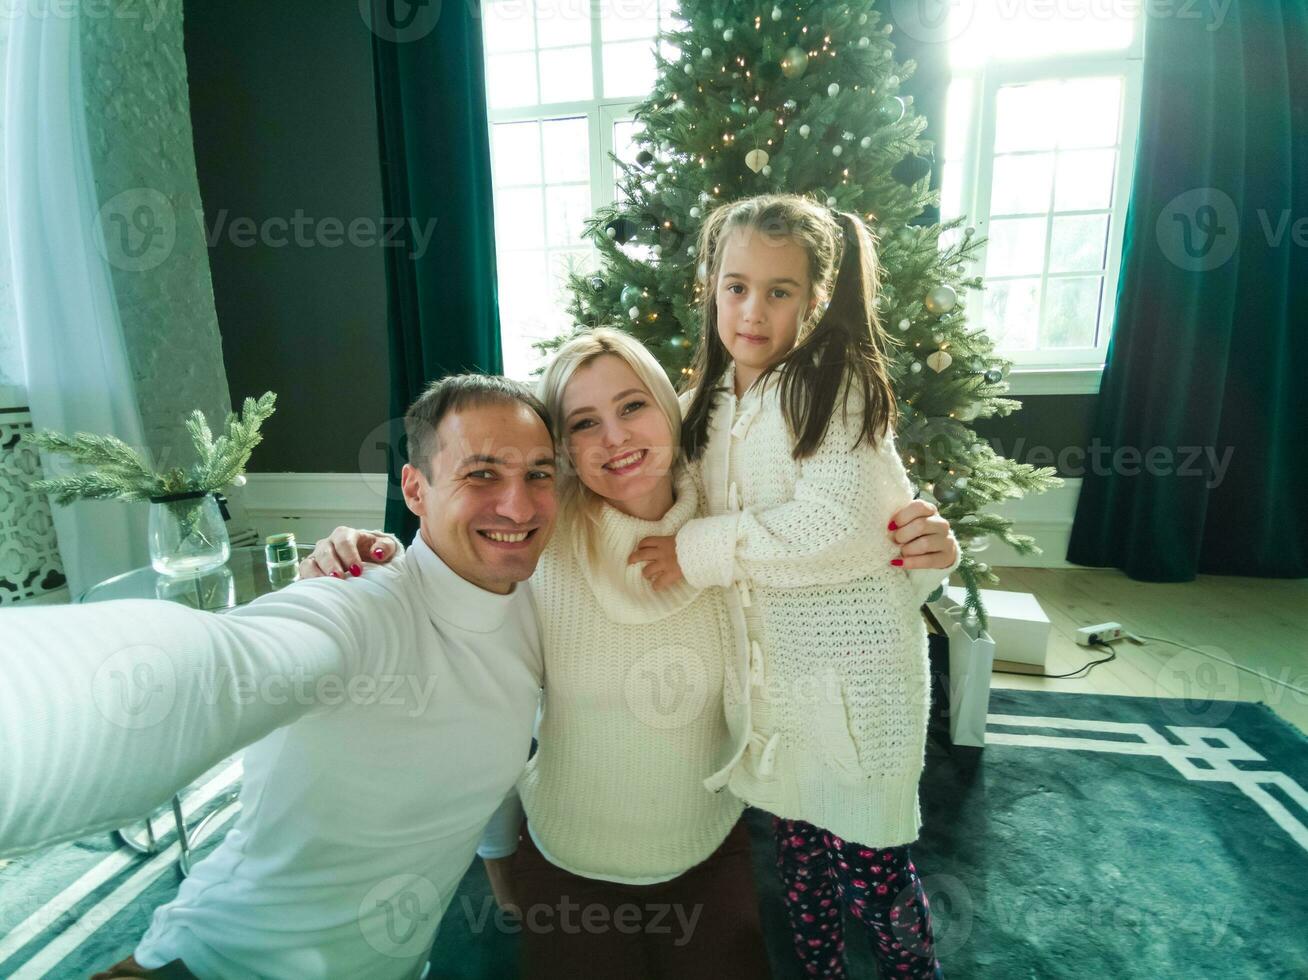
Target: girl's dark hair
{"x":843,"y":347}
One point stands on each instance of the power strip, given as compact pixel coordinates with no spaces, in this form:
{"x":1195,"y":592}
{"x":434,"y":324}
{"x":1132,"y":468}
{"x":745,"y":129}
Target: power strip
{"x":1089,"y":636}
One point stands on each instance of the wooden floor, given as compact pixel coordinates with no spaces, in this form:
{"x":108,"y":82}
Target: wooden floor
{"x":1261,"y":625}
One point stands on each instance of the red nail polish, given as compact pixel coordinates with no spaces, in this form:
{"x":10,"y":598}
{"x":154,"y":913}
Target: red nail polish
{"x":894,"y":526}
{"x":896,"y":561}
{"x":336,"y":574}
{"x":377,"y":553}
{"x":356,"y":571}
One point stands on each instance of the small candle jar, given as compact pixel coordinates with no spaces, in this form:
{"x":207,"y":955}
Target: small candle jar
{"x":283,"y":559}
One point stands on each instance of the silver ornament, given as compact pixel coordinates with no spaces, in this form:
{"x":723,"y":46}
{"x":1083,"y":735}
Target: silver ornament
{"x":833,"y":89}
{"x":941,"y":299}
{"x":865,"y":142}
{"x":804,"y":130}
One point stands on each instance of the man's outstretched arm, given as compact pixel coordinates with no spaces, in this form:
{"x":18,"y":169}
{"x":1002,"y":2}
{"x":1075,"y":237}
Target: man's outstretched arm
{"x":106,"y":709}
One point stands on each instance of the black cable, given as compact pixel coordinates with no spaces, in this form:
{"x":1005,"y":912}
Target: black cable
{"x":1087,"y":666}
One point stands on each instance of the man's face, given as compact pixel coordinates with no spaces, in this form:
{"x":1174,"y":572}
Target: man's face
{"x":489,"y":507}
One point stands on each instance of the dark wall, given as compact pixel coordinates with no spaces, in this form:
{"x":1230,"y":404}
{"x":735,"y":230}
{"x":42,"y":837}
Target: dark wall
{"x":284,"y":121}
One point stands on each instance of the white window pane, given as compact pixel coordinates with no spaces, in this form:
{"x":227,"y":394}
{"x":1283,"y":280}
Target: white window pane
{"x":567,"y":150}
{"x":519,"y":219}
{"x":1078,"y":243}
{"x":566,"y":209}
{"x":507,"y":25}
{"x":951,"y":191}
{"x":1011,"y":313}
{"x":562,"y":22}
{"x":1071,"y":314}
{"x":510,"y":80}
{"x":565,"y":75}
{"x":522,"y":280}
{"x":582,"y":261}
{"x":517,"y":153}
{"x":1022,"y":184}
{"x":622,"y":20}
{"x":1027,"y":117}
{"x":1085,"y":180}
{"x":1016,"y":247}
{"x":958,"y":118}
{"x":1091,"y":110}
{"x":1001,"y":29}
{"x":629,"y":69}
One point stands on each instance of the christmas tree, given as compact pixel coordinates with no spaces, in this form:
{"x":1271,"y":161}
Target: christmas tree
{"x":806,"y":98}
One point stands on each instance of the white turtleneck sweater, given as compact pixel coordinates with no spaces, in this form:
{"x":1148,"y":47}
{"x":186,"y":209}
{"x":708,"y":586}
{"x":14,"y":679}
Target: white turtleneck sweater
{"x":632,"y":720}
{"x":389,"y":717}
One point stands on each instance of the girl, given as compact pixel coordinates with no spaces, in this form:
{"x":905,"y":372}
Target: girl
{"x":791,"y":419}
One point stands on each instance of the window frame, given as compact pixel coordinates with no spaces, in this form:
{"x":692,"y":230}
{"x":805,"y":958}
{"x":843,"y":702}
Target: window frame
{"x":1076,"y":371}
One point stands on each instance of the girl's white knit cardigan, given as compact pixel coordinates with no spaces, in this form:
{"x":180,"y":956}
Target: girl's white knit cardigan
{"x":839,"y":645}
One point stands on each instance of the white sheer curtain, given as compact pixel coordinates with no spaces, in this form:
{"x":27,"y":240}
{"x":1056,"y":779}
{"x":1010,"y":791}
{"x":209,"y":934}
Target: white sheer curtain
{"x":76,"y":366}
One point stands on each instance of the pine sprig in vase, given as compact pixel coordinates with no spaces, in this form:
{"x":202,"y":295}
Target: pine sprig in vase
{"x":184,"y":534}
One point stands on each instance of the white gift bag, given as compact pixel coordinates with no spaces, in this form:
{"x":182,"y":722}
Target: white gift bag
{"x":971,"y":658}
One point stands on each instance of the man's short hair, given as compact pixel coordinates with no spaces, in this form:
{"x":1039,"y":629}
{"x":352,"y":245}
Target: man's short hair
{"x":453,"y":394}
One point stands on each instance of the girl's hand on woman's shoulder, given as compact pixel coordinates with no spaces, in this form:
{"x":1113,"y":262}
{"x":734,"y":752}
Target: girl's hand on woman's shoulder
{"x":924,"y":537}
{"x":346,"y":551}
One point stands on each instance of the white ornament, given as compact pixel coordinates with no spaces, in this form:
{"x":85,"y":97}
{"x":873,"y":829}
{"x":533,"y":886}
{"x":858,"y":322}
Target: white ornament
{"x":717,"y":23}
{"x":707,"y":52}
{"x":690,"y":249}
{"x":688,"y":69}
{"x":915,"y":367}
{"x":240,"y":480}
{"x":804,"y":130}
{"x":767,"y":171}
{"x":728,"y":34}
{"x":694,"y":212}
{"x":846,"y":136}
{"x":905,"y":323}
{"x":831,"y":202}
{"x":862,"y":18}
{"x":837,"y":150}
{"x":865,"y":142}
{"x":776,"y":13}
{"x":833,"y":89}
{"x":657,"y":250}
{"x":611,"y":232}
{"x":863,"y":42}
{"x":634,"y":313}
{"x":756,"y":159}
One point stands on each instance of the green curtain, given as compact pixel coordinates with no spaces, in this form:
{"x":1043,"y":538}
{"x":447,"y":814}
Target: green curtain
{"x":1208,"y":354}
{"x":435,"y":165}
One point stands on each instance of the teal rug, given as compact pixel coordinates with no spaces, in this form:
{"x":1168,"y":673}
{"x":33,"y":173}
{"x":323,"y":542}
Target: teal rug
{"x":1095,"y":837}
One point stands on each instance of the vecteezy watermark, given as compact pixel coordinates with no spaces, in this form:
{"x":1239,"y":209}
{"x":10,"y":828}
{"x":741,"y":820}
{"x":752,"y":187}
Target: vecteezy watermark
{"x":411,"y":692}
{"x":148,"y":12}
{"x":302,"y":231}
{"x":398,"y":916}
{"x":138,"y":229}
{"x":1195,"y":688}
{"x":667,"y":687}
{"x":943,"y":21}
{"x":135,"y":687}
{"x":594,"y":918}
{"x":1208,"y":463}
{"x":1199,"y":230}
{"x":400,"y":21}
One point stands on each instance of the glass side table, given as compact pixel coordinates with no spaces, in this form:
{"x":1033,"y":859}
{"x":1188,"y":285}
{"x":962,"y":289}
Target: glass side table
{"x":242,"y":580}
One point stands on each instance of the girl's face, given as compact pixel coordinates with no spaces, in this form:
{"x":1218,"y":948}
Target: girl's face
{"x":616,"y":435}
{"x":763,"y":294}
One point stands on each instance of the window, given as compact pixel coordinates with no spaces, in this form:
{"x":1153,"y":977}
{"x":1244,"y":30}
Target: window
{"x":562,"y":79}
{"x":1038,"y":153}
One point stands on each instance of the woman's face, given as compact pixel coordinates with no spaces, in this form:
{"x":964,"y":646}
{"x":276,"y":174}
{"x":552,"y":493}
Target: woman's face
{"x":615,"y":433}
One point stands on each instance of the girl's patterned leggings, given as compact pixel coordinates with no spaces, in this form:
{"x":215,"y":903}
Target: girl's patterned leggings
{"x":821,"y":874}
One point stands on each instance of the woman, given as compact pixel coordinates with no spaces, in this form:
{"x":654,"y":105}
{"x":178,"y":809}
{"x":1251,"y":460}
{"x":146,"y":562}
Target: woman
{"x":633,"y":717}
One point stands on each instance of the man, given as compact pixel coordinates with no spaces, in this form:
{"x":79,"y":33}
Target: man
{"x":388,"y":720}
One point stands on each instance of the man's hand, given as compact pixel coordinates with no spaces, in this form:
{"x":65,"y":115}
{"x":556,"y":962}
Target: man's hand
{"x":924,"y":537}
{"x":345,"y":552}
{"x":662,"y":570}
{"x":500,"y":873}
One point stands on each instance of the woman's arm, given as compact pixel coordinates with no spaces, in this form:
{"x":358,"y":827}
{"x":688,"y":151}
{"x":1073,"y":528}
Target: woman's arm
{"x":106,"y":709}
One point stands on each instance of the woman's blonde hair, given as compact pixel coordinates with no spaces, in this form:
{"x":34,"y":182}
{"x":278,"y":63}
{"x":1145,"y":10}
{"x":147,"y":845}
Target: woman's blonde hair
{"x":575,"y":498}
{"x":840,"y":344}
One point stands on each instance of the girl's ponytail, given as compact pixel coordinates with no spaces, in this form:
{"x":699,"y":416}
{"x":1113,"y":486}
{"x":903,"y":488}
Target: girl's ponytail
{"x":846,"y":347}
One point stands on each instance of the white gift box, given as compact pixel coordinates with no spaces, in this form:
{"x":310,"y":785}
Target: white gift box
{"x":971,"y":658}
{"x":1016,"y":623}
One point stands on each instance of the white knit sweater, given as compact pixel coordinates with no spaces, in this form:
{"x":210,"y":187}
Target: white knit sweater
{"x":829,"y":719}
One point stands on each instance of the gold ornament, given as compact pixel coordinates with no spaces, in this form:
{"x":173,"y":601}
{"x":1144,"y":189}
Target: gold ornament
{"x":756,"y":159}
{"x":941,"y":299}
{"x":938,"y":361}
{"x":795,"y":62}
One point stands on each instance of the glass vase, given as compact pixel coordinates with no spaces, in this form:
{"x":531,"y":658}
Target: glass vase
{"x":187,"y":534}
